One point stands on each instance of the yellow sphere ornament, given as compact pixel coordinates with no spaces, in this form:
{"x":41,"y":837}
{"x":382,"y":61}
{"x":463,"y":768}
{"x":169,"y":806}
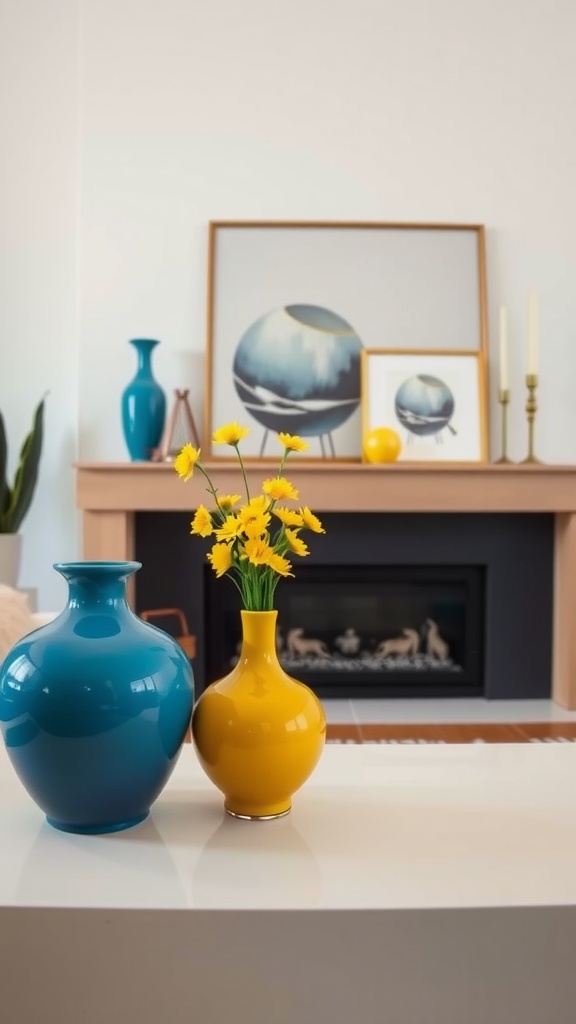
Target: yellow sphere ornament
{"x":381,"y":444}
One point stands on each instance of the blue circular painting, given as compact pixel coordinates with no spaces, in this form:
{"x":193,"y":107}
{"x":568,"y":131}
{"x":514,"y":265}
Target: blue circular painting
{"x":297,"y":369}
{"x":424,"y":404}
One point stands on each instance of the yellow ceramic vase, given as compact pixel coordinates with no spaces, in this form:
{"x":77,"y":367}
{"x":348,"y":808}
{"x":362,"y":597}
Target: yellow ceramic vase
{"x":258,"y":732}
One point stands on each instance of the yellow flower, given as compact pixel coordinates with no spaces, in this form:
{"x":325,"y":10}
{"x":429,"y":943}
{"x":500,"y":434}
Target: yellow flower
{"x":257,"y":526}
{"x":280,"y":565}
{"x":257,"y":551}
{"x":311,"y":522}
{"x":288,"y":516}
{"x":259,"y":504}
{"x":293,"y":443}
{"x":256,"y":507}
{"x":247,"y":542}
{"x":220,"y":557}
{"x":296,"y":543}
{"x":185,"y":461}
{"x":230,"y":433}
{"x":278,"y":487}
{"x":229,"y":530}
{"x":227,"y":501}
{"x":202,"y":522}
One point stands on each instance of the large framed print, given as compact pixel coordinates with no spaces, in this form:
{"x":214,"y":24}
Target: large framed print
{"x":292,"y":305}
{"x":435,"y":401}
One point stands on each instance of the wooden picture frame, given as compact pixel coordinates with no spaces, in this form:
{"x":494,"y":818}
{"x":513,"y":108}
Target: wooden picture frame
{"x":434,"y":401}
{"x":292,"y":305}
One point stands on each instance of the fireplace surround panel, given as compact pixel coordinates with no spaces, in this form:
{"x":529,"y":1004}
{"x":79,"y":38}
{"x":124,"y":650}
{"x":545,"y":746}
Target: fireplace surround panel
{"x":514,"y":553}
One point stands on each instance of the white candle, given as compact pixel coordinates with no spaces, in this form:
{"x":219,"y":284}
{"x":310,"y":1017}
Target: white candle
{"x":503,"y":349}
{"x":532,"y":332}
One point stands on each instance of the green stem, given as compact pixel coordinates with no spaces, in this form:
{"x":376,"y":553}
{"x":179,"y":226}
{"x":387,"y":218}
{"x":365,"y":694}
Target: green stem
{"x":283,"y":461}
{"x":236,"y":584}
{"x":210,"y":487}
{"x":243,"y":473}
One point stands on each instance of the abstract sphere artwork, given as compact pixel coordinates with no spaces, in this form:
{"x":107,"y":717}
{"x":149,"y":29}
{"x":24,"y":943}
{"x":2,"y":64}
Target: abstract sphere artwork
{"x":297,"y":369}
{"x":424,"y":405}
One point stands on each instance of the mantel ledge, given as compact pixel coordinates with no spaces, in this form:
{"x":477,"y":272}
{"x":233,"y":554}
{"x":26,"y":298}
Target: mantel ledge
{"x":263,"y":466}
{"x":339,"y":486}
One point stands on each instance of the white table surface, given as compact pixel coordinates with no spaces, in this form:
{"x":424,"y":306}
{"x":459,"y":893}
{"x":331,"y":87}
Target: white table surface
{"x":379,"y":826}
{"x":428,"y":836}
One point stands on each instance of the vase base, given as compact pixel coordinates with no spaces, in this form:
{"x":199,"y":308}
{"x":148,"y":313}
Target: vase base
{"x":258,"y":817}
{"x":95,"y":830}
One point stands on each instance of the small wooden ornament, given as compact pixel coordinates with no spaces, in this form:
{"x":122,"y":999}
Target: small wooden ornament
{"x":180,"y":429}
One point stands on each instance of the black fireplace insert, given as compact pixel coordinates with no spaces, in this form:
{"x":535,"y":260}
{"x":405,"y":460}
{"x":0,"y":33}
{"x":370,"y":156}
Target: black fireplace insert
{"x":364,"y":630}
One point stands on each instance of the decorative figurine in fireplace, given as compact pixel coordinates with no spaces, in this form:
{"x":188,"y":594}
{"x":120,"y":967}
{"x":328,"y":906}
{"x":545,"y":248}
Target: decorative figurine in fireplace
{"x":436,"y":645}
{"x":297,"y":643}
{"x":407,"y":643}
{"x":349,"y":642}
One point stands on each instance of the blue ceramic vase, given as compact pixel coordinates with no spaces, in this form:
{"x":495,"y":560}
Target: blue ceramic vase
{"x":143,"y":405}
{"x":94,"y":706}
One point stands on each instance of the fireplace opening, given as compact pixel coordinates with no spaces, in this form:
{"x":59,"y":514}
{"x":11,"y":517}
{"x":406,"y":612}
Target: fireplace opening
{"x":366,"y":631}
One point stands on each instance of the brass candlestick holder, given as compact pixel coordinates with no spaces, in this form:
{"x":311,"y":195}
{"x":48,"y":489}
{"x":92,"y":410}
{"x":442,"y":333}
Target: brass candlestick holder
{"x":531,"y":407}
{"x":504,"y":400}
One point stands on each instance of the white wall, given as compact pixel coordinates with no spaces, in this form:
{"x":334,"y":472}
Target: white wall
{"x":191,"y":111}
{"x":39,"y":345}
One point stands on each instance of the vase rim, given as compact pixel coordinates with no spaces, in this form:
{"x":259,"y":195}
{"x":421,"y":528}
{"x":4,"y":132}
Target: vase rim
{"x":258,"y":611}
{"x":144,"y":341}
{"x":87,"y":566}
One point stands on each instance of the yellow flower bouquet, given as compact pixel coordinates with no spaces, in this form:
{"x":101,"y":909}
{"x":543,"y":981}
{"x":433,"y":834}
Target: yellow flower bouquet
{"x":253,"y":541}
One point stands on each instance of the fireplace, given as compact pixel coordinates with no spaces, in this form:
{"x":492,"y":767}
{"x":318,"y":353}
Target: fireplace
{"x":484,"y":580}
{"x":115,"y":497}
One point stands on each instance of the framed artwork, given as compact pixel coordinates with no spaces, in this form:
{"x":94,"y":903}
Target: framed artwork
{"x":435,"y":401}
{"x":292,"y":306}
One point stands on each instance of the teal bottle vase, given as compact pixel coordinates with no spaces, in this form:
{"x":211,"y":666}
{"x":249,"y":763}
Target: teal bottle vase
{"x":94,"y":706}
{"x":143,"y":405}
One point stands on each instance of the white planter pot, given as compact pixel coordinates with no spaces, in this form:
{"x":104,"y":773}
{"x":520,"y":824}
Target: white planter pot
{"x":10,"y":557}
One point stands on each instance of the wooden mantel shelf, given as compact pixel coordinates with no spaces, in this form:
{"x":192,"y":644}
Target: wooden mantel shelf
{"x":110,"y":494}
{"x":338,"y":486}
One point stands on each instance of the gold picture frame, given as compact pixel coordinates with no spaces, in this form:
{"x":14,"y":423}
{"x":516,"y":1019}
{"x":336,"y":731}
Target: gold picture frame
{"x":436,"y":401}
{"x":291,"y":305}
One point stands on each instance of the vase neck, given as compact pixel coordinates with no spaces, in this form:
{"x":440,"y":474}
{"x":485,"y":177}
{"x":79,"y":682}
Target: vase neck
{"x":144,"y":348}
{"x":101,"y":584}
{"x":259,"y":635}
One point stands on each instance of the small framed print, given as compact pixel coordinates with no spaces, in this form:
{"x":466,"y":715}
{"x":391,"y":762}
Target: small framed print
{"x":435,"y":401}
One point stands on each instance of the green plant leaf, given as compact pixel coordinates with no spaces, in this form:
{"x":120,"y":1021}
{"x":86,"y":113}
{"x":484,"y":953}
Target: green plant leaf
{"x":20,"y":497}
{"x":4,"y":489}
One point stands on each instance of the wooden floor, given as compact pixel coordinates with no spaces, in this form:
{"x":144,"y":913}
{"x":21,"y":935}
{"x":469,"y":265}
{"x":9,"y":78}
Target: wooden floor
{"x":500,"y":732}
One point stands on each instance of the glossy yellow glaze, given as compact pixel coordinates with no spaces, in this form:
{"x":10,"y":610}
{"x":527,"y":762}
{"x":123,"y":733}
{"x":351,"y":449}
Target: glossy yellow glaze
{"x":382,"y":444}
{"x":258,"y":732}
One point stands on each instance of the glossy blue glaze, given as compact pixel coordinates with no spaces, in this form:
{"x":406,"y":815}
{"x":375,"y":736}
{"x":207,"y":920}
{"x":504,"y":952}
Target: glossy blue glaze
{"x":95,"y":705}
{"x":143,"y":405}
